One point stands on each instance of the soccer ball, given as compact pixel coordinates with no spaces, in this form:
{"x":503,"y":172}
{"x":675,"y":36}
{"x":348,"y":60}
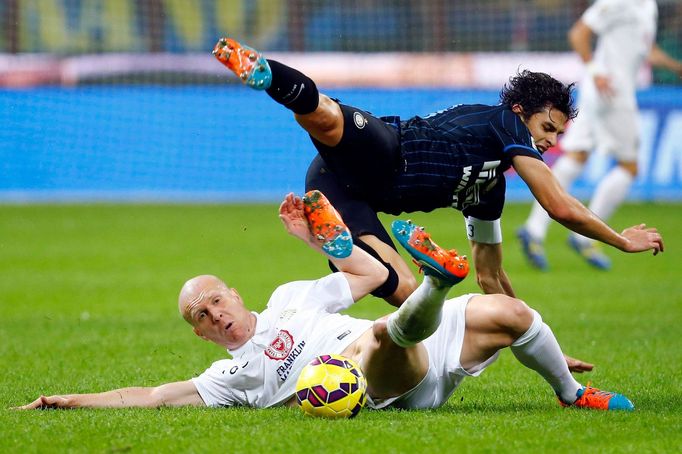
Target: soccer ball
{"x":331,"y":386}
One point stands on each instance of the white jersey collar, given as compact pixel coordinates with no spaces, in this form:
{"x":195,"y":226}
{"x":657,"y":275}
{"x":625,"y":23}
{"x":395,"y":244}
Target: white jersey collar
{"x":259,"y":341}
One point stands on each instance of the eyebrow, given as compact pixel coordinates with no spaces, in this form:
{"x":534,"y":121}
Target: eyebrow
{"x":194,"y":303}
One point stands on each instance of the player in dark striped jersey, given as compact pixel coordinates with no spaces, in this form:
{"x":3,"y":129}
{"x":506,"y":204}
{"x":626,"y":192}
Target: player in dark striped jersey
{"x":453,"y":158}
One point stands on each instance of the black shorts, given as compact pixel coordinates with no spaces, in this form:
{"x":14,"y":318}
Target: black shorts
{"x":358,"y":173}
{"x":356,"y":211}
{"x":368,"y":156}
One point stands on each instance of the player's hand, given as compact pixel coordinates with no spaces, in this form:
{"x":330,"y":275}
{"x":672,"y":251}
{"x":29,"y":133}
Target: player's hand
{"x":578,"y":366}
{"x":292,"y":215}
{"x":604,"y":87}
{"x":45,"y":402}
{"x":640,"y":238}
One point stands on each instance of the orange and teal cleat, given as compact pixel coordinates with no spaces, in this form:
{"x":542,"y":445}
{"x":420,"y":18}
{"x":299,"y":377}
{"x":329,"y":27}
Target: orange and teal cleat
{"x":432,"y":259}
{"x":327,"y":226}
{"x":248,"y":64}
{"x":596,"y":399}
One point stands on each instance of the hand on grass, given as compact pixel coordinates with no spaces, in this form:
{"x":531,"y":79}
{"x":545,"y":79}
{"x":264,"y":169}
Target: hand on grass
{"x":46,"y":402}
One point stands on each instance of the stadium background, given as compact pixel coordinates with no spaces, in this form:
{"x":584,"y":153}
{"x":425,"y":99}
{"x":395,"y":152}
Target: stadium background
{"x":121,"y":100}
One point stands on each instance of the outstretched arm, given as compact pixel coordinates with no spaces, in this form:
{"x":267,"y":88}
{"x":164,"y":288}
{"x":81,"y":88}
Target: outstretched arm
{"x":363,"y":272}
{"x":169,"y":395}
{"x":569,"y":212}
{"x":660,"y":59}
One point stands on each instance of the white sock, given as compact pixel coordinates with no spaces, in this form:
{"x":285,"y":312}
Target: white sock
{"x":609,"y":195}
{"x":539,"y":350}
{"x":419,"y":316}
{"x":565,"y":170}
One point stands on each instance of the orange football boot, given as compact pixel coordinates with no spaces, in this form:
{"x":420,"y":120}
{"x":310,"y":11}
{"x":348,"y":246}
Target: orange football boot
{"x":596,"y":399}
{"x":326,"y":224}
{"x":247,"y":63}
{"x":432,"y":259}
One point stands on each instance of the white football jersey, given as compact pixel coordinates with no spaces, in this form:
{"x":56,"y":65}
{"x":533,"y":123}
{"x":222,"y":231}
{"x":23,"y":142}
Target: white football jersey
{"x":301,"y":321}
{"x":626,"y":30}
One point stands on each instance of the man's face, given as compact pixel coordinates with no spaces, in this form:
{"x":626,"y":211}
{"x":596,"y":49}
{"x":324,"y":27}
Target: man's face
{"x":545,"y":126}
{"x":217,"y":313}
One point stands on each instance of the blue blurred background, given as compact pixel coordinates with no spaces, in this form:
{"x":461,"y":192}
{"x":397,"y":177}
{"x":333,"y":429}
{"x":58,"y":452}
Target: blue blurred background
{"x":120,"y":100}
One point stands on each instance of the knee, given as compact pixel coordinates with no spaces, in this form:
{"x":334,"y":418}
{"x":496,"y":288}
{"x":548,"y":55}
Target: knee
{"x":325,"y":123}
{"x":380,"y":330}
{"x":512,"y":315}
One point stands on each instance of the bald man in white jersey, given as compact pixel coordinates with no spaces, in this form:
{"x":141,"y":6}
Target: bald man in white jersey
{"x":414,"y":358}
{"x":608,"y":114}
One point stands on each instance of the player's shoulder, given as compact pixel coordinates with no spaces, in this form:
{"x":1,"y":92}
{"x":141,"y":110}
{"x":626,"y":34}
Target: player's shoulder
{"x":459,"y":110}
{"x":610,"y":3}
{"x":503,"y":117}
{"x":284,"y":293}
{"x":298,"y":292}
{"x":619,"y":7}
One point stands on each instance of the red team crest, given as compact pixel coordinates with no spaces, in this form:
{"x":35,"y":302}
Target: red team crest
{"x":281,"y":346}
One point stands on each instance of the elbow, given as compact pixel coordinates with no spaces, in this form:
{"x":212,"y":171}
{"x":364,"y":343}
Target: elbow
{"x":157,"y":398}
{"x":563,"y":214}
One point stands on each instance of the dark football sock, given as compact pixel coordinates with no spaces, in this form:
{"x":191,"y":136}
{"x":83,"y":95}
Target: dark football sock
{"x":293,"y":89}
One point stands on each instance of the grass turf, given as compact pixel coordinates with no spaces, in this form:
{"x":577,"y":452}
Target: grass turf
{"x":88,"y":304}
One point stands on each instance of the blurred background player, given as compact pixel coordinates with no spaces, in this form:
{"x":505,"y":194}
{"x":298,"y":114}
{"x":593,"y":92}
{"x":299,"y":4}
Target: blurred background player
{"x":608,"y":115}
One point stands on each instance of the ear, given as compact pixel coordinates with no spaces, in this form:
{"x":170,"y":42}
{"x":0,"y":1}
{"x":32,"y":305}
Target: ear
{"x":517,"y":109}
{"x":198,"y":333}
{"x":237,"y":295}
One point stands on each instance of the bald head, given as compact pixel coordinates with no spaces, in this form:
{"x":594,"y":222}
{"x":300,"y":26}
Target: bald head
{"x":194,"y":291}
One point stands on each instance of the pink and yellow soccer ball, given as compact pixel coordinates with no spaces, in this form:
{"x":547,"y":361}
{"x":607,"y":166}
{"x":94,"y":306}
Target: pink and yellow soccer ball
{"x":331,"y":386}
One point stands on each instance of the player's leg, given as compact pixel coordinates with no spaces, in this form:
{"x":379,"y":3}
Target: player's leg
{"x":421,"y":313}
{"x":620,"y":138}
{"x":613,"y":189}
{"x":494,"y":322}
{"x":368,"y":232}
{"x":393,"y":357}
{"x":316,"y":113}
{"x":391,"y":370}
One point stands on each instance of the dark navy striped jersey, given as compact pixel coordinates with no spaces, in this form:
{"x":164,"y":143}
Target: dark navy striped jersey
{"x":456,"y":157}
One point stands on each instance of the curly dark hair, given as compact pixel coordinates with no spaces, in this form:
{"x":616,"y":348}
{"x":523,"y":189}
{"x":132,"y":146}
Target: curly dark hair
{"x":535,"y":91}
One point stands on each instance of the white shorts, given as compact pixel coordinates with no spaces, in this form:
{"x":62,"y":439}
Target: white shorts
{"x":610,"y":127}
{"x":445,"y":371}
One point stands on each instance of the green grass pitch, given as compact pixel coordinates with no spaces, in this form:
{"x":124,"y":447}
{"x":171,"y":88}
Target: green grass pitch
{"x":88,"y":298}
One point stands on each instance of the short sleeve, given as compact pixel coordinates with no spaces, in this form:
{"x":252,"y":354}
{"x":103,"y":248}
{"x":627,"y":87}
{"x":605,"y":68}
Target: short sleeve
{"x":331,"y":293}
{"x":513,"y":135}
{"x":229,"y":383}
